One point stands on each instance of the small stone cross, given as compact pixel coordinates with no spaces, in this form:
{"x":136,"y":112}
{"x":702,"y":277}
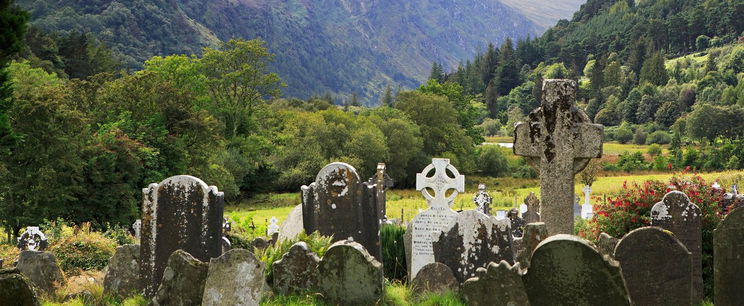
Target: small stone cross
{"x":482,"y":200}
{"x":559,"y":139}
{"x":440,"y":183}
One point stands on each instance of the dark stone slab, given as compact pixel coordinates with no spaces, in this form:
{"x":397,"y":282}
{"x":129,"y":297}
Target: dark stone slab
{"x":42,"y":270}
{"x":235,"y":278}
{"x":728,"y":257}
{"x":183,"y":281}
{"x":339,"y":204}
{"x":16,"y":289}
{"x":516,"y":223}
{"x":349,"y":275}
{"x":181,"y":212}
{"x":122,"y":277}
{"x":678,"y":215}
{"x":534,"y":233}
{"x":567,"y":270}
{"x":472,"y":241}
{"x":436,"y":278}
{"x":499,"y":284}
{"x":657,"y":267}
{"x":297,"y":271}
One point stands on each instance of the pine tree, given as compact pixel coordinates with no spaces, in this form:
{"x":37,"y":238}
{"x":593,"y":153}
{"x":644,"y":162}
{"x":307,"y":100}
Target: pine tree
{"x":654,"y":71}
{"x":387,"y":98}
{"x":13,"y":20}
{"x":437,"y":72}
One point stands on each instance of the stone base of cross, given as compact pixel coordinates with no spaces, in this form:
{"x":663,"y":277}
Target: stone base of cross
{"x":559,"y":139}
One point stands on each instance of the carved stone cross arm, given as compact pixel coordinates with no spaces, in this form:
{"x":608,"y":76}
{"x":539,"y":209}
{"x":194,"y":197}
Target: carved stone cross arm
{"x":440,"y":182}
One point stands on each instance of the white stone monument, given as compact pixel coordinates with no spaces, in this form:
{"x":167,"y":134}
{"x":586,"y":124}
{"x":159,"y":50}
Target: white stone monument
{"x":586,"y":209}
{"x":273,"y":227}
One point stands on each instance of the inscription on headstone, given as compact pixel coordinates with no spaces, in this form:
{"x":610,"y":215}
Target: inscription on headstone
{"x":559,"y":139}
{"x":439,"y":214}
{"x":339,"y":204}
{"x":657,"y":267}
{"x":181,"y":212}
{"x":678,"y":215}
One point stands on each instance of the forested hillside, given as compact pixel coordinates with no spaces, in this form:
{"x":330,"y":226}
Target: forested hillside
{"x":343,"y":48}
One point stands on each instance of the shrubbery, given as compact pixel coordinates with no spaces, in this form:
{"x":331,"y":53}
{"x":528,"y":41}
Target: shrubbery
{"x":394,"y":252}
{"x":316,"y":242}
{"x":492,"y":161}
{"x":87,"y":250}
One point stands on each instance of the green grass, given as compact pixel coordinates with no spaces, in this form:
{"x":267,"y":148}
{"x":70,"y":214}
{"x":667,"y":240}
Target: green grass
{"x":608,"y":148}
{"x":396,"y":294}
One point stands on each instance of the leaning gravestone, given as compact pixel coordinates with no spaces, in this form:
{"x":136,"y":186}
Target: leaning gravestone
{"x":439,"y":214}
{"x":534,"y":233}
{"x":338,"y":204}
{"x":657,"y":267}
{"x":181,"y":212}
{"x":235,"y":278}
{"x":122,"y":277}
{"x":183,"y":281}
{"x":533,"y":209}
{"x":471,"y":241}
{"x":41,"y":269}
{"x":292,"y":226}
{"x":434,"y":278}
{"x":482,"y":200}
{"x":297,"y":271}
{"x":566,"y":270}
{"x":16,"y":289}
{"x":559,"y":140}
{"x":498,"y":284}
{"x":349,"y":275}
{"x":678,"y":215}
{"x":728,"y":259}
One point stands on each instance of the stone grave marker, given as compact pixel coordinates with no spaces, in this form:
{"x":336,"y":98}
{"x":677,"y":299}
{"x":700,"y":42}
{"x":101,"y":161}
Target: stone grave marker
{"x":482,"y":200}
{"x":235,"y":278}
{"x":533,"y":209}
{"x":728,"y":259}
{"x":522,"y":209}
{"x":439,"y":214}
{"x":500,"y":215}
{"x":181,"y":212}
{"x":32,"y":240}
{"x":183,"y":281}
{"x":471,"y":241}
{"x":657,"y":267}
{"x":516,"y":223}
{"x":349,"y":275}
{"x":339,"y":204}
{"x":678,"y":215}
{"x":559,"y":139}
{"x":497,"y":285}
{"x":273,"y":227}
{"x":384,"y":180}
{"x":565,"y":269}
{"x":434,"y":277}
{"x":586,"y":208}
{"x":297,"y":271}
{"x":42,"y":270}
{"x":606,"y":244}
{"x":292,"y":226}
{"x":576,"y":208}
{"x":122,"y":273}
{"x":534,"y":233}
{"x":137,"y":228}
{"x":16,"y":288}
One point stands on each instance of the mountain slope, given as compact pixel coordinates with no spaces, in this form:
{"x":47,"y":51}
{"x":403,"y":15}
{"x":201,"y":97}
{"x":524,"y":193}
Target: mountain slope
{"x":545,"y":13}
{"x":321,"y":46}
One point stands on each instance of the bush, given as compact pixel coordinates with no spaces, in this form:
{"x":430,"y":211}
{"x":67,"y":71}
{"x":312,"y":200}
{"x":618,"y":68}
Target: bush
{"x":394,"y":252}
{"x":316,"y":242}
{"x":632,"y":162}
{"x":654,"y":150}
{"x":521,"y":169}
{"x":492,"y":162}
{"x":85,"y":251}
{"x":659,"y":137}
{"x":631,"y":209}
{"x":491,"y":127}
{"x":733,"y":163}
{"x":624,"y":135}
{"x":639,"y":137}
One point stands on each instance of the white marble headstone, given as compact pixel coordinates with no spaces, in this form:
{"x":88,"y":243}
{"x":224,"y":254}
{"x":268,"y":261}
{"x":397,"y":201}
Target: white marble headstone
{"x":273,"y":227}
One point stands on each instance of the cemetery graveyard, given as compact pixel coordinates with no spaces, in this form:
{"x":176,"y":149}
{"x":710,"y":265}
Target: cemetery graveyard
{"x":336,"y":247}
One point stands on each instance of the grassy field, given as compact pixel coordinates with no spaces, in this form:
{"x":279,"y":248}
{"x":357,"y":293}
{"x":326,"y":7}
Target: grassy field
{"x":608,"y":148}
{"x":506,"y":193}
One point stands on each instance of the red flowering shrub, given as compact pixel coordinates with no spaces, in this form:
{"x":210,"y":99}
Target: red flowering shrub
{"x":631,"y":209}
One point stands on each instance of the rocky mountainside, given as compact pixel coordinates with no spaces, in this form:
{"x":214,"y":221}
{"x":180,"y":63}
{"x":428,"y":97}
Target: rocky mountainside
{"x":342,"y":47}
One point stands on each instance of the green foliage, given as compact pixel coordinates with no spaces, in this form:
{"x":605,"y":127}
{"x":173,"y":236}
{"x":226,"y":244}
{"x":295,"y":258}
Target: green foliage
{"x":316,"y":243}
{"x":700,"y":125}
{"x":654,"y":150}
{"x":492,"y":161}
{"x":624,"y":135}
{"x":86,"y":250}
{"x":630,"y":162}
{"x":393,"y":252}
{"x":659,"y":137}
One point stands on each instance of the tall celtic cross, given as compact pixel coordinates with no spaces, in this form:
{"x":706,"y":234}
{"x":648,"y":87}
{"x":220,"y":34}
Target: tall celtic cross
{"x":559,"y":139}
{"x":440,"y":182}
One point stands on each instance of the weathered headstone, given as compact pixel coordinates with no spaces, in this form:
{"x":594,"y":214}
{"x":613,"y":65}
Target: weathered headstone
{"x":482,"y":200}
{"x":500,"y":215}
{"x":516,"y":223}
{"x":226,"y":228}
{"x":349,"y":275}
{"x":42,"y":270}
{"x":384,"y":181}
{"x":471,"y":241}
{"x":565,"y":269}
{"x":606,"y":244}
{"x":32,"y":240}
{"x":16,"y":289}
{"x":559,"y":139}
{"x":498,"y":284}
{"x":181,"y":212}
{"x":534,"y":233}
{"x":259,"y":243}
{"x":183,"y":281}
{"x":576,"y":208}
{"x":273,"y":227}
{"x":122,"y":276}
{"x":339,"y":204}
{"x":732,"y":199}
{"x":438,"y":215}
{"x":436,"y":278}
{"x":657,"y":267}
{"x":297,"y":271}
{"x":586,"y":208}
{"x":728,"y":259}
{"x":678,"y":215}
{"x":235,"y":278}
{"x":137,"y":227}
{"x":292,"y":226}
{"x":533,"y":209}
